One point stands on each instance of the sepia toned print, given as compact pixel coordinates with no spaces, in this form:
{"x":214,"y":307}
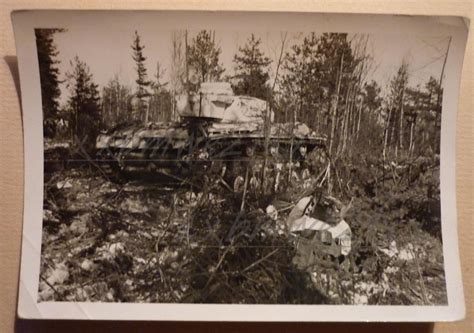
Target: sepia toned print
{"x":242,"y":168}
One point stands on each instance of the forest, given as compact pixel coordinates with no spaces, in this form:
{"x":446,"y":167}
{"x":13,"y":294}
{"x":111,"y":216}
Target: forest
{"x":133,"y":240}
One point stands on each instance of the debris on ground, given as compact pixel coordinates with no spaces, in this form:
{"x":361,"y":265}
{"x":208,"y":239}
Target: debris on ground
{"x":134,"y":241}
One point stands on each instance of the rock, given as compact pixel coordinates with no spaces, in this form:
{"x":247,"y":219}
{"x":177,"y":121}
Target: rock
{"x":190,"y":196}
{"x":407,"y":253}
{"x":87,"y":265}
{"x":79,"y":225}
{"x":272,"y":212}
{"x":109,"y":296}
{"x":140,"y":260}
{"x":122,"y":234}
{"x":391,"y":251}
{"x":58,"y":275}
{"x":134,"y":206}
{"x":146,"y":235}
{"x":63,"y":229}
{"x":109,"y":252}
{"x":391,"y":269}
{"x":116,"y":248}
{"x":361,"y":299}
{"x":305,"y":174}
{"x":174,"y":265}
{"x":49,"y":217}
{"x":107,"y":188}
{"x":45,"y":293}
{"x":63,"y":184}
{"x":167,"y":257}
{"x":82,"y":295}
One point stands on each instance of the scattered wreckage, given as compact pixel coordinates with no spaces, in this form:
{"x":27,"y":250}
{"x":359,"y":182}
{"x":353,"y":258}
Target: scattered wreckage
{"x":323,"y":237}
{"x":217,"y":130}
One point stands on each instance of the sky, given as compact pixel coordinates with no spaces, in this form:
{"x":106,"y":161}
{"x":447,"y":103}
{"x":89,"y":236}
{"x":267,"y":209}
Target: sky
{"x":108,"y":52}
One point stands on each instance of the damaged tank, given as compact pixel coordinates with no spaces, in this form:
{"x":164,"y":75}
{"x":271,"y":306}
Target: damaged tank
{"x":217,"y":130}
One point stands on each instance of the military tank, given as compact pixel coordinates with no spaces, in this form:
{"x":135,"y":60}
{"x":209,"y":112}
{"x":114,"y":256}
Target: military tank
{"x":217,"y":131}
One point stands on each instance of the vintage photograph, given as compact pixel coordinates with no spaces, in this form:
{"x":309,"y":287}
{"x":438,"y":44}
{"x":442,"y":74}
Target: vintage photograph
{"x":241,"y":167}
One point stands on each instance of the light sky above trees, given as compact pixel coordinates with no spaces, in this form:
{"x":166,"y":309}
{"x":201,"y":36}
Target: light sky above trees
{"x":107,"y":52}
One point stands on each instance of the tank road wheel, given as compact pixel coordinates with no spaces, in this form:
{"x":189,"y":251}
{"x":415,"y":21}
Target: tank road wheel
{"x":151,"y":167}
{"x":305,"y":174}
{"x":277,"y":176}
{"x":239,"y":184}
{"x":254,"y":183}
{"x":274,"y":151}
{"x":300,"y":170}
{"x":250,"y":150}
{"x":223,"y":170}
{"x":303,"y":151}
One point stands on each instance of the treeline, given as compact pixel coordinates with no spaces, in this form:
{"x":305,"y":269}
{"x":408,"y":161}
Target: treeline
{"x":322,"y":80}
{"x":325,"y":85}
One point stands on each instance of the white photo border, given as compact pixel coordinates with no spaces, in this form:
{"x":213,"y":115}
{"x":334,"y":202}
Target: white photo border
{"x":24,"y":24}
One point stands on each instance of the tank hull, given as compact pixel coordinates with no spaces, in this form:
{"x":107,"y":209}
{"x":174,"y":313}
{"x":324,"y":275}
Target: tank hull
{"x":196,"y":146}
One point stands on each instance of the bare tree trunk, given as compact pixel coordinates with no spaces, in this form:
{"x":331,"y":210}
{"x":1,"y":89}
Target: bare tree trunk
{"x":291,"y":145}
{"x":186,"y":59}
{"x":351,"y":126}
{"x":353,"y":115}
{"x":401,"y":120}
{"x":118,"y":112}
{"x":412,"y":129}
{"x":147,"y":112}
{"x":344,"y":125}
{"x":329,"y":188}
{"x":173,"y":106}
{"x":359,"y":119}
{"x":317,"y":119}
{"x":267,"y":120}
{"x":393,"y":130}
{"x":438,"y":113}
{"x":386,"y":131}
{"x":112,"y":114}
{"x":335,"y":103}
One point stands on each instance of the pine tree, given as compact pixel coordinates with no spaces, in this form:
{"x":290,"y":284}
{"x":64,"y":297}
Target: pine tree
{"x":84,"y":104}
{"x":160,"y":108}
{"x":203,"y":59}
{"x":49,"y":77}
{"x":142,"y":81}
{"x":251,"y":68}
{"x":312,"y":73}
{"x":435,"y":94}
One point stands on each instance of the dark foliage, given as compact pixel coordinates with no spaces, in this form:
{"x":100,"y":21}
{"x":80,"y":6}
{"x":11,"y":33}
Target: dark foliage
{"x":83,"y":105}
{"x":203,"y":59}
{"x":251,"y":70}
{"x":49,"y":78}
{"x":142,"y":79}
